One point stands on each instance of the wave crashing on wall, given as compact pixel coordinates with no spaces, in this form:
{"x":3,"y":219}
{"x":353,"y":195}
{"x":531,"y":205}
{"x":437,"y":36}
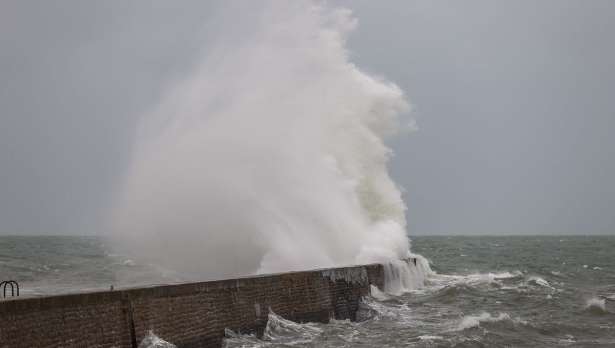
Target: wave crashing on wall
{"x":270,"y":156}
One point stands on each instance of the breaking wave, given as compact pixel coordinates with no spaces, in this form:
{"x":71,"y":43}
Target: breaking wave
{"x":269,"y":157}
{"x":596,"y":305}
{"x":277,"y":331}
{"x":471,"y":321}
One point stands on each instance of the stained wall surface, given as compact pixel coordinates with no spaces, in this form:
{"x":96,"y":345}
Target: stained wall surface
{"x":188,"y":315}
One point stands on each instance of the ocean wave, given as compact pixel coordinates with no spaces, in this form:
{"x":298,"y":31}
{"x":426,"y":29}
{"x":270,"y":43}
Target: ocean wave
{"x":471,"y":321}
{"x":279,"y":328}
{"x":430,"y":338}
{"x":439,"y":281}
{"x":233,"y":339}
{"x":277,"y":331}
{"x":451,"y":293}
{"x":535,"y":280}
{"x":371,"y":309}
{"x":596,"y":305}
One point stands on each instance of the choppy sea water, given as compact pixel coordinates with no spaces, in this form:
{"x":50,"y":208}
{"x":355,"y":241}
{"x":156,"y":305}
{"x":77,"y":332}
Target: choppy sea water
{"x":513,"y":291}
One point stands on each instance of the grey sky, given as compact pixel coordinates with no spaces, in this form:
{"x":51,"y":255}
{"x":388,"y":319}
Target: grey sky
{"x":514,"y":101}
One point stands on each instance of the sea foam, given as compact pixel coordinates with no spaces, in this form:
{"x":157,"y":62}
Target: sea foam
{"x":153,"y":341}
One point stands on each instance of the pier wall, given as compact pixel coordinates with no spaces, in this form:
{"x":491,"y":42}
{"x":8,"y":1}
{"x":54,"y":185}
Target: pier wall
{"x":188,"y":315}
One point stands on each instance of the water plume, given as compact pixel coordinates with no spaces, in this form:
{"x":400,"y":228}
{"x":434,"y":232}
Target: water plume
{"x":269,"y":157}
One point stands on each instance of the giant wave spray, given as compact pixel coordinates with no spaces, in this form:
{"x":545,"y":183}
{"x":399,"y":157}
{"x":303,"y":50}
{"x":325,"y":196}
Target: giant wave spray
{"x":269,"y":157}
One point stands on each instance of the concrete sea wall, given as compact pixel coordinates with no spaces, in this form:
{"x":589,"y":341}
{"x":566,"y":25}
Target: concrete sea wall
{"x":189,"y":315}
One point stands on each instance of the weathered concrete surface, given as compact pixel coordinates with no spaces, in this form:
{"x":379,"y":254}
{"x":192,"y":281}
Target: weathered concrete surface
{"x":188,"y":315}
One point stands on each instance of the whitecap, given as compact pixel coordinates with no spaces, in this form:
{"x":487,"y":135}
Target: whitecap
{"x":595,"y":304}
{"x":488,"y":278}
{"x":471,"y":321}
{"x":439,"y":281}
{"x":430,"y":338}
{"x":569,"y":339}
{"x":539,"y":281}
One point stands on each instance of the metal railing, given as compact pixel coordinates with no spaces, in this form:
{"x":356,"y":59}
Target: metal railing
{"x":14,"y":286}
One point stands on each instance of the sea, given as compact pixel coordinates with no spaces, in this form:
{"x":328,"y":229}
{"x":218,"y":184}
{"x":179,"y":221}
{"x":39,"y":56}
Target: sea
{"x":485,"y":291}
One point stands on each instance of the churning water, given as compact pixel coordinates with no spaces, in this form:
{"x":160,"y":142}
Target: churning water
{"x":486,"y":292}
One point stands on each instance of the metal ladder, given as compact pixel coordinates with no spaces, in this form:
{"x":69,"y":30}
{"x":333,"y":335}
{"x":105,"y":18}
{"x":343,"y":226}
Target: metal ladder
{"x":14,"y":286}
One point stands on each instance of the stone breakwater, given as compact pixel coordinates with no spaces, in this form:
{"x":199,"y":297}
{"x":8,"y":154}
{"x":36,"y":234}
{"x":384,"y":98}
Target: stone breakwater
{"x":189,"y":315}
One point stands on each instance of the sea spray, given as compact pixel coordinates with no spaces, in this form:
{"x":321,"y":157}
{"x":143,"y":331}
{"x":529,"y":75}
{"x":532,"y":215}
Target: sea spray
{"x":404,"y":275}
{"x":269,"y":157}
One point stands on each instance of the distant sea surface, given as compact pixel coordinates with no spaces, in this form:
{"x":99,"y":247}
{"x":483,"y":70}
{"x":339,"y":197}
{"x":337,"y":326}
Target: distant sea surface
{"x":514,"y":291}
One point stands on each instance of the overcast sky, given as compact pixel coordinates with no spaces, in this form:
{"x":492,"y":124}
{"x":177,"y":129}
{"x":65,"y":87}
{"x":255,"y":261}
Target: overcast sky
{"x":514,"y":102}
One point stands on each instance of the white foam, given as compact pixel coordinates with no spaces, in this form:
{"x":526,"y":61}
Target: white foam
{"x":568,"y":340}
{"x":405,"y":275}
{"x":233,"y":339}
{"x":279,"y":328}
{"x":401,"y":313}
{"x":596,"y":304}
{"x":153,"y":341}
{"x":474,"y":279}
{"x":539,"y":281}
{"x":377,"y":294}
{"x":430,"y":338}
{"x":471,"y":321}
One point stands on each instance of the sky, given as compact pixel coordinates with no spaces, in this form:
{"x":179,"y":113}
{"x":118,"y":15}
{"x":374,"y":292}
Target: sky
{"x":513,"y":102}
